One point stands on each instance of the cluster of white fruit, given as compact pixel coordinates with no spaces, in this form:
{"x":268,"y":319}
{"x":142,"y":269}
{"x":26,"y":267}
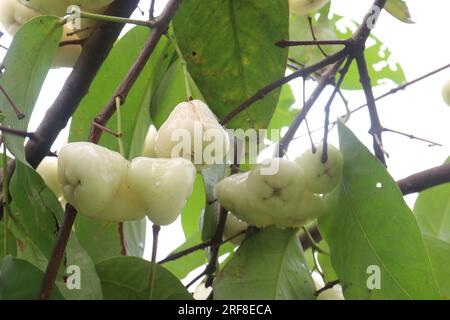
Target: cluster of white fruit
{"x":102,"y":184}
{"x":289,"y":198}
{"x":15,"y":13}
{"x":305,"y":7}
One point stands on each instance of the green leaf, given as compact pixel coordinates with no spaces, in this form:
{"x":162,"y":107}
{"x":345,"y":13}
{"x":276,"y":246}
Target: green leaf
{"x":20,"y":280}
{"x":99,"y":238}
{"x":268,"y":265}
{"x":399,"y":9}
{"x":134,"y":112}
{"x":134,"y":232}
{"x":39,"y":210}
{"x":126,"y":278}
{"x":229,"y":47}
{"x":11,"y":241}
{"x":432,"y":210}
{"x":212,"y":176}
{"x":194,"y":207}
{"x":367,"y":223}
{"x":183,"y":266}
{"x":90,"y":282}
{"x":170,"y":92}
{"x":26,"y":65}
{"x":440,"y":259}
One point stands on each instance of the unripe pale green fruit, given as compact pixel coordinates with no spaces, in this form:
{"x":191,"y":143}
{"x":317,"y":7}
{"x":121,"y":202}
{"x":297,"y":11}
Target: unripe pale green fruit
{"x":124,"y":206}
{"x":321,"y":177}
{"x":234,"y":226}
{"x":162,"y":185}
{"x":233,"y":193}
{"x":262,"y":199}
{"x":90,"y":176}
{"x":148,"y":150}
{"x":48,"y":170}
{"x":192,"y":132}
{"x":446,"y":92}
{"x":277,"y":191}
{"x":311,"y":206}
{"x":305,"y":7}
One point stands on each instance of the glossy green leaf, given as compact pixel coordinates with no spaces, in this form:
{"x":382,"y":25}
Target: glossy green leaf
{"x":440,"y":259}
{"x":230,"y":50}
{"x":100,"y":239}
{"x":20,"y":280}
{"x":268,"y":265}
{"x":170,"y":92}
{"x":399,"y":9}
{"x":212,"y":176}
{"x":26,"y":65}
{"x":127,"y":278}
{"x":368,"y":225}
{"x":10,"y":242}
{"x":183,"y":266}
{"x":193,"y":210}
{"x":432,"y":210}
{"x":39,"y":210}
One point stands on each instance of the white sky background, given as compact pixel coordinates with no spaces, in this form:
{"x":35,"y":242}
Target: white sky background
{"x":419,"y":110}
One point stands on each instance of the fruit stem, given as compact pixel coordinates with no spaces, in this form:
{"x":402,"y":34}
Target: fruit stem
{"x":187,"y":76}
{"x":5,"y":200}
{"x":314,"y":244}
{"x":105,"y":18}
{"x":151,"y":282}
{"x":119,"y":126}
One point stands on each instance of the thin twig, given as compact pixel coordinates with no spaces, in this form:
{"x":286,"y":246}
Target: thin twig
{"x":327,"y":286}
{"x":288,"y":43}
{"x":413,"y":137}
{"x":20,"y":114}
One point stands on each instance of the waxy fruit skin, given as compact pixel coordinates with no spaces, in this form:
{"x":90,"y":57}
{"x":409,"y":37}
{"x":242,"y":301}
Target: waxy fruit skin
{"x":203,"y":135}
{"x":48,"y":170}
{"x":148,"y":150}
{"x":446,"y":92}
{"x":233,"y":226}
{"x":310,"y":207}
{"x":162,"y":185}
{"x":305,"y":7}
{"x":262,"y":199}
{"x":90,"y":176}
{"x":321,"y":177}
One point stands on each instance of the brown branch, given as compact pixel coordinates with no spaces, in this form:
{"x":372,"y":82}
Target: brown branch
{"x":327,"y":286}
{"x":20,"y":133}
{"x":326,"y":79}
{"x":20,"y":114}
{"x":57,"y":254}
{"x":289,"y":43}
{"x":426,"y":179}
{"x":302,"y":73}
{"x":376,"y":128}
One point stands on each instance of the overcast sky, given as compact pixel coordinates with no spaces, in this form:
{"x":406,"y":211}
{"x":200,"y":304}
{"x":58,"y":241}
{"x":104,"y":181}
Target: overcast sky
{"x":419,"y":110}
